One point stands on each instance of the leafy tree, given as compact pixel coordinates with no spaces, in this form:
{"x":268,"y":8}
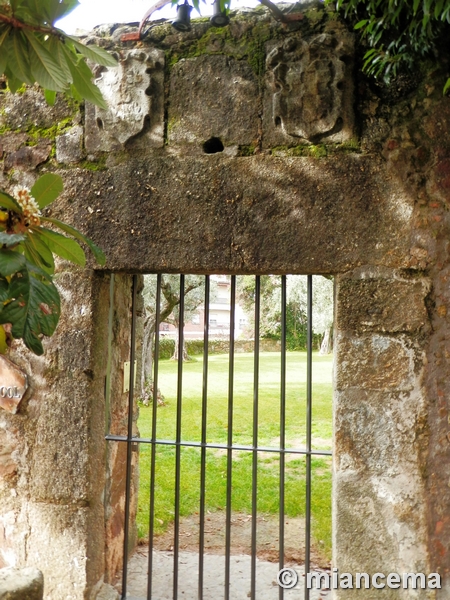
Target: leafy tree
{"x":296,"y":307}
{"x":29,"y":301}
{"x":194,"y":294}
{"x":398,"y":32}
{"x":33,"y":50}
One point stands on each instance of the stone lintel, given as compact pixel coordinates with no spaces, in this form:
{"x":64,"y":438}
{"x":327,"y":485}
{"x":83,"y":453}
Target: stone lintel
{"x":257,"y":214}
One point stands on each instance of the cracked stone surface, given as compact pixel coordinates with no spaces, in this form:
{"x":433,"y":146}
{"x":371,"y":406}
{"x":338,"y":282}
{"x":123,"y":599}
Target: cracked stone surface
{"x":214,"y":570}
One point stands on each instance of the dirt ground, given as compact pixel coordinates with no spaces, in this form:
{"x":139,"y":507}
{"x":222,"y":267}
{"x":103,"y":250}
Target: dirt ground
{"x":241,"y":524}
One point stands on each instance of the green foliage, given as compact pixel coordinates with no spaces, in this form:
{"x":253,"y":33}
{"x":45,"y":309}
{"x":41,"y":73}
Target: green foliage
{"x":29,"y":300}
{"x":296,"y":307}
{"x":33,"y":50}
{"x":398,"y":32}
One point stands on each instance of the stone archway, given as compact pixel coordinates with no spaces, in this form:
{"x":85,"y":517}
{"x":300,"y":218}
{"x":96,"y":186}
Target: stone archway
{"x":362,"y":197}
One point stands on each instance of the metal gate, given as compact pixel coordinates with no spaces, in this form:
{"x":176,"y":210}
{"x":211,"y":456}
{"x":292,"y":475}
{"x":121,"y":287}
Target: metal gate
{"x":228,"y":448}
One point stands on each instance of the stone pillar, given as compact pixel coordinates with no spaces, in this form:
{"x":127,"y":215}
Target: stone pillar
{"x":379,"y":500}
{"x":52,"y":487}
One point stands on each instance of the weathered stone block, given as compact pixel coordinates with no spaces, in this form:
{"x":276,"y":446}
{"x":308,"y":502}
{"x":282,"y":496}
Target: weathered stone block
{"x":28,"y":157}
{"x":376,"y":431}
{"x":213,"y":96}
{"x":69,"y":146}
{"x":58,"y":545}
{"x":309,"y":90}
{"x":378,"y":529}
{"x":10,"y":142}
{"x":374,"y":362}
{"x":134,"y":92}
{"x":30,"y":109}
{"x":21,"y":584}
{"x":369,"y":304}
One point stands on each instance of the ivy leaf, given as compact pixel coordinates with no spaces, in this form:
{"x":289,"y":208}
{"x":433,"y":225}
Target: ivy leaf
{"x":96,"y":251}
{"x":3,"y":54}
{"x":15,"y":308}
{"x":13,"y":83}
{"x":82,"y":76}
{"x":45,"y":69}
{"x":55,"y":47}
{"x":62,"y":246}
{"x":43,"y":312}
{"x":46,"y":189}
{"x":447,"y":86}
{"x":57,"y":9}
{"x":11,"y":239}
{"x":94,"y":53}
{"x":10,"y":262}
{"x":38,"y":253}
{"x":31,"y":303}
{"x":50,"y":97}
{"x":8,"y":202}
{"x":18,"y":60}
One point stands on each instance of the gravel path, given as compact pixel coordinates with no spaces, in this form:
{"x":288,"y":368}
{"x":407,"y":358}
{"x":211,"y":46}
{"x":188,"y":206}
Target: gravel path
{"x":214,"y":569}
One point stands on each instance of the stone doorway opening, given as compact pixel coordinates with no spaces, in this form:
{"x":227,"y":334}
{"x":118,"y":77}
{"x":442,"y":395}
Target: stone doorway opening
{"x":220,"y":452}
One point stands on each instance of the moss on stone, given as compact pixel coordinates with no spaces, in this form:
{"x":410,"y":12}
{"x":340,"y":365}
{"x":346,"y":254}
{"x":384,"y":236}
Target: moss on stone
{"x":98,"y":165}
{"x":318,"y":150}
{"x":246,"y":150}
{"x":219,"y":40}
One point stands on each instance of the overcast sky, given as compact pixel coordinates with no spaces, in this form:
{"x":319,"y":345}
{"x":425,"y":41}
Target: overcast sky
{"x":96,"y":12}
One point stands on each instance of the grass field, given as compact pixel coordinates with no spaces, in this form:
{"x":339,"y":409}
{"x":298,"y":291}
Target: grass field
{"x":217,"y":431}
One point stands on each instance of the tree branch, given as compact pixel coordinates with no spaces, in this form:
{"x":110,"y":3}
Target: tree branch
{"x":13,"y":22}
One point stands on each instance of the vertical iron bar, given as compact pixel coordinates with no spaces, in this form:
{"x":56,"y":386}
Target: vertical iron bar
{"x":153,"y":446}
{"x":230,"y":440}
{"x":203,"y":450}
{"x":129,"y":439}
{"x":255,"y":436}
{"x":109,"y":358}
{"x":282,"y":428}
{"x":176,"y":543}
{"x":308,"y":434}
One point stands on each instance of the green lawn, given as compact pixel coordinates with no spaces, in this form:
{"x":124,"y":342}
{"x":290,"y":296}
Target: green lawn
{"x":217,"y":431}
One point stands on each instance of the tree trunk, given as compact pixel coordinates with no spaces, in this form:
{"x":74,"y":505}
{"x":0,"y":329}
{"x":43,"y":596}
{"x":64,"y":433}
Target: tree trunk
{"x":177,"y":344}
{"x":147,"y":358}
{"x":326,"y":345}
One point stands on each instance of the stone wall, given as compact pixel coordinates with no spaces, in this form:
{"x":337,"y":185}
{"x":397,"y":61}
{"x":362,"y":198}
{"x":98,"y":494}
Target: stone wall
{"x":320,"y":171}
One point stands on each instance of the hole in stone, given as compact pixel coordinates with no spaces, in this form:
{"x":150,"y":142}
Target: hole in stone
{"x":277,"y":121}
{"x":340,"y":85}
{"x":213,"y":145}
{"x":148,"y":92}
{"x":148,"y":71}
{"x":99,"y":123}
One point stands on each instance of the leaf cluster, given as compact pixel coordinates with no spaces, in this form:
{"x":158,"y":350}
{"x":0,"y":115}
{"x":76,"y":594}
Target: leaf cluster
{"x":29,"y":300}
{"x":33,"y":50}
{"x":398,"y":32}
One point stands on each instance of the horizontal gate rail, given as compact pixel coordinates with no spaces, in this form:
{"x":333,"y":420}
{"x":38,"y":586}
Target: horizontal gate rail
{"x":123,"y":438}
